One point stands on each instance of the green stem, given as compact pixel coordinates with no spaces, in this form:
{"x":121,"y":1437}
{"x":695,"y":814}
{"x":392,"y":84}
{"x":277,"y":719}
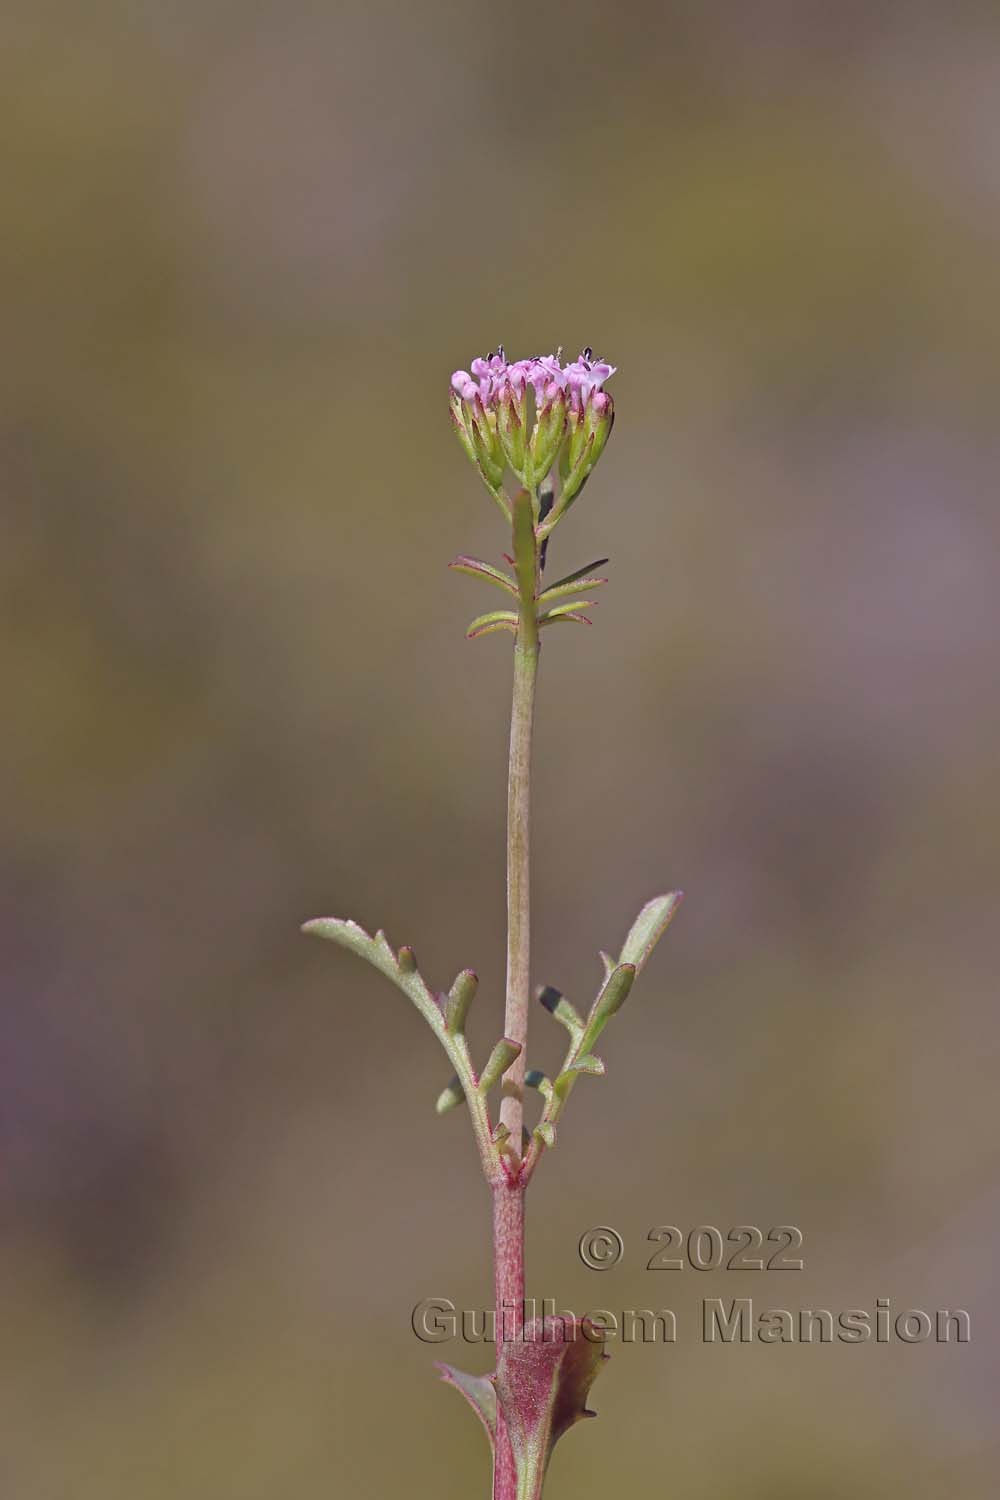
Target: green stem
{"x":526,"y":650}
{"x":508,"y":1192}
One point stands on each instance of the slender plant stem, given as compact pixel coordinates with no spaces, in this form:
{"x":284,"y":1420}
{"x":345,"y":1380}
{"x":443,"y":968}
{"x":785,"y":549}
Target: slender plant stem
{"x":508,"y":1245}
{"x":518,"y":869}
{"x":508,"y":1191}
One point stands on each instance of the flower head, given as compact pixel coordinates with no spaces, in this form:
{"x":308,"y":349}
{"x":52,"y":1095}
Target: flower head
{"x":569,"y":419}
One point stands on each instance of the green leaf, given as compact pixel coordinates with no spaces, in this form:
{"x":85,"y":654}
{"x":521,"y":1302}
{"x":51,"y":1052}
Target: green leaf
{"x":474,"y":567}
{"x":536,"y":1079}
{"x":480,"y":1393}
{"x":460,"y":997}
{"x":560,"y":590}
{"x":450,"y":1097}
{"x":648,"y":927}
{"x":379,"y":954}
{"x":568,"y":611}
{"x":580,"y":573}
{"x":565,"y":1013}
{"x":504,"y":1053}
{"x":402,"y":969}
{"x":498,"y":619}
{"x":586,"y":1064}
{"x":571,"y":619}
{"x":546,"y":1132}
{"x":612,"y":996}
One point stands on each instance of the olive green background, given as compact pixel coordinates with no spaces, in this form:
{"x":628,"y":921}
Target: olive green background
{"x":242,"y":248}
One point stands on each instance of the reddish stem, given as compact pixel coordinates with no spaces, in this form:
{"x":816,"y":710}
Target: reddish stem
{"x":508,"y":1262}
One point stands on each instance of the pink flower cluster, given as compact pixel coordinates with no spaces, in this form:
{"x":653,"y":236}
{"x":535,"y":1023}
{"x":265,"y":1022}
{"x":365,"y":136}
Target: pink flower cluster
{"x":547,"y":377}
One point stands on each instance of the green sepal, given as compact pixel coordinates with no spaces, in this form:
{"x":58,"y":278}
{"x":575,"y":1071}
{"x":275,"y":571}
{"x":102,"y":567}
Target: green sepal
{"x":574,"y":480}
{"x":511,"y":421}
{"x":542,"y":1383}
{"x":488,"y":452}
{"x":461,"y":426}
{"x":648,"y":927}
{"x":504,"y":1053}
{"x":497,"y":619}
{"x":474,"y":567}
{"x":460,"y":997}
{"x":547,"y":437}
{"x":480,"y":1393}
{"x":450,"y":1097}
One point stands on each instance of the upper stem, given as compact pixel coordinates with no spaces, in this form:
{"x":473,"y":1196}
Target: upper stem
{"x":526,"y":651}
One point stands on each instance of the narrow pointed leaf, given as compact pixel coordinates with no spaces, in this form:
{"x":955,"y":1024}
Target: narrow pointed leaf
{"x":497,"y":619}
{"x":608,"y":962}
{"x":567,"y":608}
{"x":648,"y":927}
{"x":560,"y":590}
{"x":475,"y":568}
{"x":494,"y":629}
{"x":559,"y":619}
{"x":580,"y":573}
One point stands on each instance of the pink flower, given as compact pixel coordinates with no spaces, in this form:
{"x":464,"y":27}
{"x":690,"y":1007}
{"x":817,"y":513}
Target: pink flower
{"x":586,"y":375}
{"x":544,"y":373}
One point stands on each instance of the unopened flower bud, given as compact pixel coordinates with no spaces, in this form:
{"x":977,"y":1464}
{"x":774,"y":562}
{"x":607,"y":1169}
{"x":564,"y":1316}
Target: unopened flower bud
{"x":511,"y":420}
{"x":550,"y":428}
{"x":600,"y":418}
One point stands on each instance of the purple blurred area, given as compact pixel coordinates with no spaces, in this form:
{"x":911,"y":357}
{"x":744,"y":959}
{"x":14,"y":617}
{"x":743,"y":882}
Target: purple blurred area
{"x":243,"y":248}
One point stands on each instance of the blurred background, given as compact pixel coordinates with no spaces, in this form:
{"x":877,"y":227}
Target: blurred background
{"x":243,"y":247}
